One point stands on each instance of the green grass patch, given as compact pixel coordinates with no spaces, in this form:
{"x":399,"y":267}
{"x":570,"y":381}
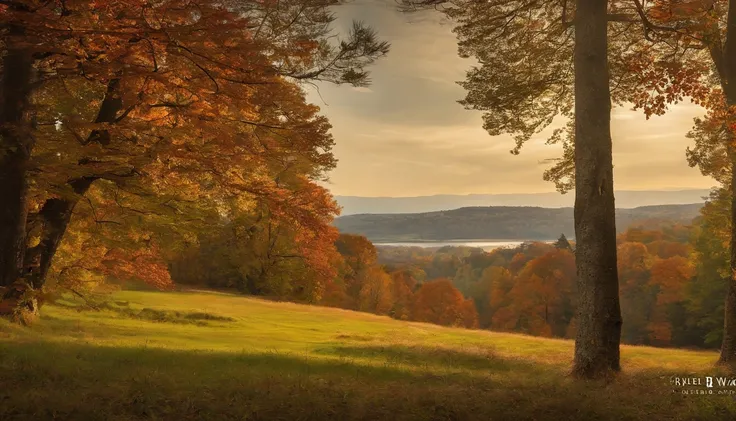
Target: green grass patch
{"x":213,"y":356}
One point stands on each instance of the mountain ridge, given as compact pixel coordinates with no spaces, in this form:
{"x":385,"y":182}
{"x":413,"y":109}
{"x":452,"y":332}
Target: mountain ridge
{"x":494,"y":222}
{"x":625,"y":199}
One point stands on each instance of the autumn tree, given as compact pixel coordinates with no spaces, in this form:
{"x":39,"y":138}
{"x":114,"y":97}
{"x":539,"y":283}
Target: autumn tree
{"x":443,"y":265}
{"x":670,"y":276}
{"x":377,"y":292}
{"x":404,"y":283}
{"x":501,"y":283}
{"x":359,"y":256}
{"x":666,"y":249}
{"x":439,"y":302}
{"x":637,"y":294}
{"x":335,"y":294}
{"x":687,"y":49}
{"x":640,"y":235}
{"x":527,"y":252}
{"x":107,"y":243}
{"x":589,"y":50}
{"x":541,"y":298}
{"x":260,"y":254}
{"x":177,"y":101}
{"x":489,"y":293}
{"x":705,"y":293}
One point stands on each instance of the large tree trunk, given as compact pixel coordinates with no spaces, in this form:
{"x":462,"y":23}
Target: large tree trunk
{"x":599,"y":313}
{"x":56,"y":213}
{"x":728,"y":82}
{"x":15,"y":154}
{"x":728,"y":346}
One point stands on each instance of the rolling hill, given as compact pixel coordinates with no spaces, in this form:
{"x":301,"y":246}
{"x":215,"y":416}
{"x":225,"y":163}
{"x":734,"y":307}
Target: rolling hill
{"x":625,"y":199}
{"x":209,"y":356}
{"x":496,"y":223}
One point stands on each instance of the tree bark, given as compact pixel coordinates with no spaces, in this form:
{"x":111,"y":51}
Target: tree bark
{"x":728,"y":346}
{"x":15,"y":154}
{"x":56,"y":213}
{"x":599,"y":313}
{"x":728,"y":82}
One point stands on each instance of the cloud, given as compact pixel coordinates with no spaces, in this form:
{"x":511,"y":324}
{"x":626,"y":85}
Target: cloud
{"x":410,"y":137}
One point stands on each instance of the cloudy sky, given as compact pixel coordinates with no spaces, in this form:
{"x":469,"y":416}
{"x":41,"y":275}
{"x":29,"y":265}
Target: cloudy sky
{"x":406,"y":135}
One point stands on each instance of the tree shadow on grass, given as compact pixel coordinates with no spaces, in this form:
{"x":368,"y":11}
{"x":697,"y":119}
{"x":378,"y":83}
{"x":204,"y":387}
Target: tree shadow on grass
{"x":426,"y":356}
{"x":122,"y":308}
{"x":42,"y":380}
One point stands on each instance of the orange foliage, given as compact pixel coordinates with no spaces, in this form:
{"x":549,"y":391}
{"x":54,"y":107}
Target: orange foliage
{"x":501,"y":284}
{"x":505,"y":318}
{"x":666,"y":249}
{"x":468,"y":314}
{"x":640,"y":235}
{"x":183,"y":102}
{"x":334,"y":294}
{"x":541,"y":295}
{"x":376,"y":293}
{"x":439,"y":302}
{"x":671,"y":275}
{"x":404,"y":284}
{"x":633,"y":259}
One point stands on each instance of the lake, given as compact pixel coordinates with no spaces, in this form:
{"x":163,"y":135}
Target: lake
{"x":485,"y":245}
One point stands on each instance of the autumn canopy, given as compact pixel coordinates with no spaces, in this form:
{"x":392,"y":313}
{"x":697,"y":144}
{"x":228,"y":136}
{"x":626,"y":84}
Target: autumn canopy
{"x":128,"y":127}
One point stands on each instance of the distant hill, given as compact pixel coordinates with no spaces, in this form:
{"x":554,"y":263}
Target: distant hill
{"x":353,"y":205}
{"x":497,"y":223}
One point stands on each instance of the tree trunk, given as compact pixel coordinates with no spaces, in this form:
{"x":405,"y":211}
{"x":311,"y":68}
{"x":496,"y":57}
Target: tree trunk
{"x":599,"y":313}
{"x":728,"y":82}
{"x":15,"y":154}
{"x":14,"y":194}
{"x":56,"y":213}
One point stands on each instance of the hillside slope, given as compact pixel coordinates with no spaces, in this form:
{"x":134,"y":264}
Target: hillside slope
{"x":207,"y":356}
{"x":498,"y":222}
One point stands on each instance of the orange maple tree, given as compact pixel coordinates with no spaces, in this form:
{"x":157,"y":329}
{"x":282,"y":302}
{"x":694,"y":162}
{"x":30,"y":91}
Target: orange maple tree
{"x":671,"y":276}
{"x":439,"y":302}
{"x":179,"y":101}
{"x":540,"y":299}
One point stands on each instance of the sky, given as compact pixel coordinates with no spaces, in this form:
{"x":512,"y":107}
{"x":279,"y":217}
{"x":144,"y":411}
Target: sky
{"x":406,"y":135}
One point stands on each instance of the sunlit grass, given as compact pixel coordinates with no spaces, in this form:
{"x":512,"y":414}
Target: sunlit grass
{"x":259,"y":360}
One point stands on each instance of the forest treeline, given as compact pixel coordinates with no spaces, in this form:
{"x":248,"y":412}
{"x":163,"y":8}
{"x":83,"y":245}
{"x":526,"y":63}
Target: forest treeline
{"x":672,"y":279}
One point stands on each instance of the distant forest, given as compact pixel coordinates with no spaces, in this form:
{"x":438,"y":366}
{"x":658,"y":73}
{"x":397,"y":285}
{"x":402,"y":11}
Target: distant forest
{"x":672,"y":275}
{"x":499,"y":222}
{"x":669,"y":279}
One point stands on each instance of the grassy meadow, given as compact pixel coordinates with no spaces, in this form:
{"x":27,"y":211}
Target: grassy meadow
{"x":213,"y":356}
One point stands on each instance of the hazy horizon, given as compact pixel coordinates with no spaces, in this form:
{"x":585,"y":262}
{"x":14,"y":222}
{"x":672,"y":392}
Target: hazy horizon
{"x":625,"y":199}
{"x":571,"y":193}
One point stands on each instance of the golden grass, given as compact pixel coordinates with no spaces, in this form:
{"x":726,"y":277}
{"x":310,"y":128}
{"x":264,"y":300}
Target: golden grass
{"x":285,"y":361}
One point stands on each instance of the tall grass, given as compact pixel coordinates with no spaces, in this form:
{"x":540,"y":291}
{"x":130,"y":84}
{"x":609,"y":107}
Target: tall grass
{"x":202,"y":356}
